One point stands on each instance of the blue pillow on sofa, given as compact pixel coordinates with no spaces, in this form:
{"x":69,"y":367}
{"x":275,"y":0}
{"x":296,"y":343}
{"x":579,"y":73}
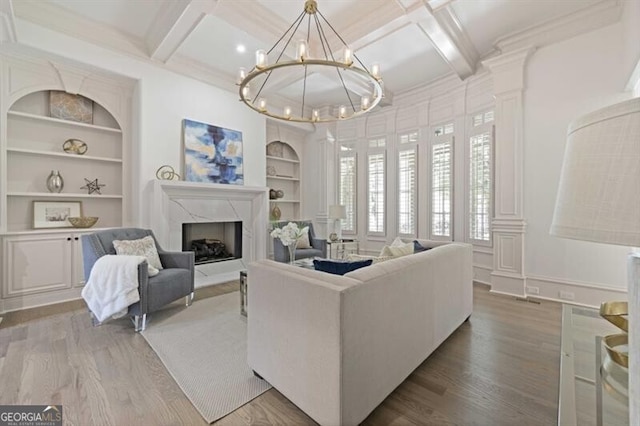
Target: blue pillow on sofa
{"x":339,"y":267}
{"x":417,"y":247}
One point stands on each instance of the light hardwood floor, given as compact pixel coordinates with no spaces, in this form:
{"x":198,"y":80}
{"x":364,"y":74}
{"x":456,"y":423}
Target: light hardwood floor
{"x":500,"y":368}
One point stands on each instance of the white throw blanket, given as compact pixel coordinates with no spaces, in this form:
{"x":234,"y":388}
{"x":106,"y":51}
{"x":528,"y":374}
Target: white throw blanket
{"x":112,"y":285}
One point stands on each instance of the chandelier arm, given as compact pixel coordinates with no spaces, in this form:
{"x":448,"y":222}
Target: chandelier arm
{"x":320,"y":37}
{"x":299,"y":21}
{"x":345,"y":89}
{"x":332,"y":29}
{"x":263,"y":83}
{"x":327,"y":41}
{"x":361,"y":64}
{"x":286,"y":32}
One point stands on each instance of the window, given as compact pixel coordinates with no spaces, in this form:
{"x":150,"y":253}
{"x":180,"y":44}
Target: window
{"x":441,"y":188}
{"x":446,"y":129}
{"x":377,"y":143}
{"x":480,"y":178}
{"x":407,"y":192}
{"x":347,"y":187}
{"x":376,"y":193}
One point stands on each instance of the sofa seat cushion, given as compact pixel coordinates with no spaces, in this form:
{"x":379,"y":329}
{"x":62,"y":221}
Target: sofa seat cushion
{"x":169,"y":285}
{"x":339,"y":267}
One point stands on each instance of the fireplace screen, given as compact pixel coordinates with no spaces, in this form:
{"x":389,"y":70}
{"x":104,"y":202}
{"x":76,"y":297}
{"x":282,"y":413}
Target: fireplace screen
{"x":213,"y":241}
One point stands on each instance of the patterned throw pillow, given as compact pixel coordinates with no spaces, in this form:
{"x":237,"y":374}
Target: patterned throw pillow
{"x":303,"y":242}
{"x":143,"y":247}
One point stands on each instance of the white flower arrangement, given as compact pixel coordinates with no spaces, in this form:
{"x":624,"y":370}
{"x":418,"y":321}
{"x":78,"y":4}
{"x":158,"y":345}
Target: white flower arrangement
{"x":289,"y":234}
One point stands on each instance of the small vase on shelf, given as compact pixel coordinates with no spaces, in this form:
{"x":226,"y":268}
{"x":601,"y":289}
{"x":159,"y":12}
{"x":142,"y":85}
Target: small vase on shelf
{"x":55,"y":183}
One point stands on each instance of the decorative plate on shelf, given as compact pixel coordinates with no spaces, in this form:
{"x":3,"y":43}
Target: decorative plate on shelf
{"x":271,"y":171}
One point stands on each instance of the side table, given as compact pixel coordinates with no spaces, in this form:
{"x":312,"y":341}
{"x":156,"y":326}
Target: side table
{"x":338,"y":249}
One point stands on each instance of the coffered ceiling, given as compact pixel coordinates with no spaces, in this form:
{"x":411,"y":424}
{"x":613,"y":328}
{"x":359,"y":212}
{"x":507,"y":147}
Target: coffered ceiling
{"x":415,"y":41}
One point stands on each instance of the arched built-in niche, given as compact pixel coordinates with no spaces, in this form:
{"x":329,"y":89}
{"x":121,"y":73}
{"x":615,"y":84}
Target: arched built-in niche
{"x":34,"y":148}
{"x":283,"y":174}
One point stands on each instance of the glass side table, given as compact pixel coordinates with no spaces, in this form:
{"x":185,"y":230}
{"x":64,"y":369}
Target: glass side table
{"x":338,"y":249}
{"x":592,"y":387}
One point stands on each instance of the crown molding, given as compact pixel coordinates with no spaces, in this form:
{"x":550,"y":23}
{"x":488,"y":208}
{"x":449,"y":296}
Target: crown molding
{"x":590,"y":18}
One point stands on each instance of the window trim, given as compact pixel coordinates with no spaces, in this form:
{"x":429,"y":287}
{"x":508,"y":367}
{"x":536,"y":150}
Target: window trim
{"x":487,"y":127}
{"x":436,"y":140}
{"x":348,"y":154}
{"x":410,"y":146}
{"x":369,"y":152}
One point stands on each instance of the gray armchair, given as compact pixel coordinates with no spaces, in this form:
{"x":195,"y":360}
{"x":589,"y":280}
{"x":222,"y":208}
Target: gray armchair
{"x":318,"y":245}
{"x":174,"y":281}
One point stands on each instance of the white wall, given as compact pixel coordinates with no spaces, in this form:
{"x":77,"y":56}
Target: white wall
{"x":564,"y":81}
{"x":162,"y":99}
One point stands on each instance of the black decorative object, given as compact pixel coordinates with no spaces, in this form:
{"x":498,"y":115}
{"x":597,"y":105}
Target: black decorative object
{"x":92,"y":186}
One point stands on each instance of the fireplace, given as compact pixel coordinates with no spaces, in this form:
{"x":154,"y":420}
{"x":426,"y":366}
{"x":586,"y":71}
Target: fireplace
{"x":178,"y":202}
{"x":213,"y":241}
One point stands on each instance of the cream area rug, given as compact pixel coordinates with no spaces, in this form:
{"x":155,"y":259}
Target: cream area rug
{"x":204,"y":347}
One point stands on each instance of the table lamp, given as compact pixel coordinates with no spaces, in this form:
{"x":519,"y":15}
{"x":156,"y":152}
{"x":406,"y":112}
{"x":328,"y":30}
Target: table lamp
{"x":337,"y":213}
{"x":599,"y":200}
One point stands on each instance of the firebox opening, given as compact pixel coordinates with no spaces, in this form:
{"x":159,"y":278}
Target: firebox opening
{"x":213,"y":241}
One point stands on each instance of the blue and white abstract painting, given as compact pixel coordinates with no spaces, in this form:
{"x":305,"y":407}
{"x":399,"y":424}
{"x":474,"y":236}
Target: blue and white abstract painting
{"x":212,"y":154}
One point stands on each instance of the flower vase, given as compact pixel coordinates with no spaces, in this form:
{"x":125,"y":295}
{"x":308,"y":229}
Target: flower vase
{"x":292,"y":253}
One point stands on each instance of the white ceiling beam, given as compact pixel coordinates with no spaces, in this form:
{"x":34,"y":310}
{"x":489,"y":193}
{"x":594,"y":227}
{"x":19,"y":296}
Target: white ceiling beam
{"x":8,"y":21}
{"x":446,"y":34}
{"x":176,"y":22}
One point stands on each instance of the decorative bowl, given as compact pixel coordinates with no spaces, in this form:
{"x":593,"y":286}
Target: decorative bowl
{"x":83,"y":221}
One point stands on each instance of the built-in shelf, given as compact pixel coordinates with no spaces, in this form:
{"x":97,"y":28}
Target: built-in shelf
{"x":283,"y":178}
{"x":64,"y":155}
{"x":41,"y":231}
{"x":64,"y":122}
{"x":286,"y":160}
{"x":284,"y":201}
{"x":60,"y":195}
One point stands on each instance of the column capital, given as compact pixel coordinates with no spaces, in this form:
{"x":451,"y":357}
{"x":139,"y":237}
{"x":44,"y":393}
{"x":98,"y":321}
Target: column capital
{"x":508,"y":70}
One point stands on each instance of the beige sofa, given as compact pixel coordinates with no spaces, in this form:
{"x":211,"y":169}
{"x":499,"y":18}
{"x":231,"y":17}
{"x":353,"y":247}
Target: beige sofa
{"x":337,"y":346}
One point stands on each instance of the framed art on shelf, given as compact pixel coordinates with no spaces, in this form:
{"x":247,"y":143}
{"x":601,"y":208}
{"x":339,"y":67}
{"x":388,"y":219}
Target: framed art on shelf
{"x":55,"y":214}
{"x":212,"y":154}
{"x":66,"y":106}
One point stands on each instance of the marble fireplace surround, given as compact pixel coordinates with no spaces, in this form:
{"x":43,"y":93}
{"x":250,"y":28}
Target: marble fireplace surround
{"x":178,"y":202}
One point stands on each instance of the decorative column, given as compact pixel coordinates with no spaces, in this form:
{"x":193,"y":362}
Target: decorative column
{"x":509,"y":225}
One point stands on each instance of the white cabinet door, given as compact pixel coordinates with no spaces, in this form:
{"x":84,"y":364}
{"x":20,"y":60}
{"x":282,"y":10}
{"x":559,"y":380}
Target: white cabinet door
{"x":37,"y":263}
{"x":78,"y":268}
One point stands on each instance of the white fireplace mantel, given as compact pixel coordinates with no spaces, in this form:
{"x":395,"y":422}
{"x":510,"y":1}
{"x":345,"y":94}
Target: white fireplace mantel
{"x":178,"y":202}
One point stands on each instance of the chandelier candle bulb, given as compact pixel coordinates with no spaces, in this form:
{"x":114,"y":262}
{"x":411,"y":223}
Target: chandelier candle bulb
{"x":287,"y":112}
{"x":302,"y":50}
{"x":242,"y":74}
{"x":348,"y":56}
{"x":262,"y":104}
{"x":261,"y":59}
{"x":364,"y":103}
{"x":342,"y":111}
{"x":375,"y":70}
{"x":246,"y":92}
{"x":315,"y":115}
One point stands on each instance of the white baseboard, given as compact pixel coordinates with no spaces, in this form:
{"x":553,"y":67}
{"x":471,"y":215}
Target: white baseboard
{"x":39,"y":299}
{"x":584,"y":294}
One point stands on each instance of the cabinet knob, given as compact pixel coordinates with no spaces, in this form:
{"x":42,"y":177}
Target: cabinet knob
{"x":69,"y":239}
{"x":76,"y":238}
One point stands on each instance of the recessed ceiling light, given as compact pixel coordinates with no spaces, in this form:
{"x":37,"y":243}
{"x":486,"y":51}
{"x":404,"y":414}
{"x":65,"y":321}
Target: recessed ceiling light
{"x":241,"y":48}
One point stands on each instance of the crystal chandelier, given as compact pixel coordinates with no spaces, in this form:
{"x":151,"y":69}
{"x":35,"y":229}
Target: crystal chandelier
{"x":362,"y":87}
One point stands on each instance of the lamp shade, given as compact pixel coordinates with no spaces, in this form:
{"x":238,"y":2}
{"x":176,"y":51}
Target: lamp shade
{"x":337,"y":212}
{"x":599,"y":193}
